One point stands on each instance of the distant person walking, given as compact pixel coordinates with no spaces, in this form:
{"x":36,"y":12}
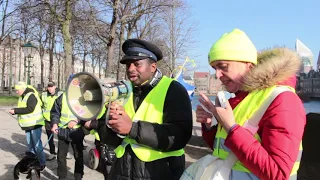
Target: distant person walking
{"x":48,"y":98}
{"x":30,"y":119}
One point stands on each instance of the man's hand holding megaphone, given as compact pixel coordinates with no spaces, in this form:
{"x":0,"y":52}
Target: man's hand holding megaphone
{"x":119,"y":120}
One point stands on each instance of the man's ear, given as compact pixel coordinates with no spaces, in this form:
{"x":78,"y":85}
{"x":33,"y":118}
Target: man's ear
{"x":153,"y":67}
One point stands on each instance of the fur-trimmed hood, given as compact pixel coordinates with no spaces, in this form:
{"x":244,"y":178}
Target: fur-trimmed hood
{"x":275,"y":66}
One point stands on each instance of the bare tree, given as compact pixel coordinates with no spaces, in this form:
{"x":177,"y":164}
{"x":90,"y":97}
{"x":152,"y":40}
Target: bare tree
{"x":6,"y":28}
{"x":177,"y":32}
{"x":64,"y":18}
{"x":121,"y":13}
{"x":41,"y":35}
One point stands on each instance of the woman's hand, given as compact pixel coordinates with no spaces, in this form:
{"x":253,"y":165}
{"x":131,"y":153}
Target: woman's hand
{"x":203,"y":116}
{"x":223,"y":115}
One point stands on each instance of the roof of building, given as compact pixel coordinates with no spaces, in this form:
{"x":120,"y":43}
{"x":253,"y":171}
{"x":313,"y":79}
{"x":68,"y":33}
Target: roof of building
{"x":201,"y":74}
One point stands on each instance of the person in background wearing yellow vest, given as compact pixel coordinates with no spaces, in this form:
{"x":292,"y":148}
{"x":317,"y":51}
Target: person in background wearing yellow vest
{"x":30,"y":119}
{"x":48,"y":99}
{"x":70,"y":133}
{"x":272,"y":149}
{"x":156,"y":120}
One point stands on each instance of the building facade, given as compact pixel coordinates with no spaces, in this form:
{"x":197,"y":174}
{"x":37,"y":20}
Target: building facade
{"x":201,"y":82}
{"x":14,"y":64}
{"x":215,"y":84}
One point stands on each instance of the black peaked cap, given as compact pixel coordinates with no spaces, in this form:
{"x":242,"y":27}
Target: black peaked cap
{"x":137,"y":49}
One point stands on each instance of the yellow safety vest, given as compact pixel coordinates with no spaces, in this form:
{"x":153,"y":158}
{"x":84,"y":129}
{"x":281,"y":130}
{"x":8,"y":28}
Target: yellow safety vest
{"x":244,"y":111}
{"x":33,"y":118}
{"x":36,"y":93}
{"x":150,"y":110}
{"x":48,"y":102}
{"x":66,"y":114}
{"x":95,"y":134}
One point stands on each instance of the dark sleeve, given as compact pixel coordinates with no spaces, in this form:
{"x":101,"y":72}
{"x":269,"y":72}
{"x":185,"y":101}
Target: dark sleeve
{"x":55,"y":112}
{"x":107,"y":136}
{"x":176,"y":129}
{"x":31,"y":105}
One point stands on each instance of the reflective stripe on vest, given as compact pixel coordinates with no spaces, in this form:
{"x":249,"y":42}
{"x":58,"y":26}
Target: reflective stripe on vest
{"x":33,"y":118}
{"x":66,"y":114}
{"x":96,"y":134}
{"x":48,"y":102}
{"x":252,"y":108}
{"x":150,"y":110}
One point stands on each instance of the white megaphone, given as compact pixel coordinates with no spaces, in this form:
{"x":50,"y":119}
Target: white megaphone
{"x":86,"y":95}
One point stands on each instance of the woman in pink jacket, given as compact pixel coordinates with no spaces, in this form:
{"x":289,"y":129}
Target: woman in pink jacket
{"x":272,"y":150}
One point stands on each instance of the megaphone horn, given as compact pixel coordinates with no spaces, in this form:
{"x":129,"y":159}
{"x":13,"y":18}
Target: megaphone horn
{"x":86,"y":95}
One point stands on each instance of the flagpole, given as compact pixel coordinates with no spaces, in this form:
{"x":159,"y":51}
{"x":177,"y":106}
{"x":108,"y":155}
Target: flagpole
{"x":181,"y":68}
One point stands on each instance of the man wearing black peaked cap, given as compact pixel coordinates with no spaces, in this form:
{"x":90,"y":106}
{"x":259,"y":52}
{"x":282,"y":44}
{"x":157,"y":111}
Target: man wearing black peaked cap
{"x":156,"y":120}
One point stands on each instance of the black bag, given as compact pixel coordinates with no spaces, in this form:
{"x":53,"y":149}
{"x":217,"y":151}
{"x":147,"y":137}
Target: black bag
{"x":64,"y":134}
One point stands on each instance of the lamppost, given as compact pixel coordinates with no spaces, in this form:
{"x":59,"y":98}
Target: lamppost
{"x":29,"y":51}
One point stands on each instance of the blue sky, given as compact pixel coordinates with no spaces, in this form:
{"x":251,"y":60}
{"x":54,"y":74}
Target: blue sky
{"x":267,"y":23}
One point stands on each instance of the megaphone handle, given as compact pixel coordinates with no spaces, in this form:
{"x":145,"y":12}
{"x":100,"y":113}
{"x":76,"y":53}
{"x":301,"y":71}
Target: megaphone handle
{"x":107,"y":117}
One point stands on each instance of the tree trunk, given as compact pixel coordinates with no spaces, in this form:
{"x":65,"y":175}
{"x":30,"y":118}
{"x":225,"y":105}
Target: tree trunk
{"x":20,"y":63}
{"x":67,"y":41}
{"x":3,"y":68}
{"x":99,"y":65}
{"x":67,"y":49}
{"x":59,"y":66}
{"x":112,"y":35}
{"x":51,"y":50}
{"x":120,"y":50}
{"x":41,"y":67}
{"x":84,"y":61}
{"x":10,"y":74}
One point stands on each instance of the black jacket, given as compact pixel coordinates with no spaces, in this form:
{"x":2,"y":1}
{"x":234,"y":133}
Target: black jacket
{"x":173,"y":134}
{"x":31,"y":105}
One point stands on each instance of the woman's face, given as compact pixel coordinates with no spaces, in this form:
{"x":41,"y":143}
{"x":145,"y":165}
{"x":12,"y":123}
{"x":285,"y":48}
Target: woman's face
{"x":231,"y":73}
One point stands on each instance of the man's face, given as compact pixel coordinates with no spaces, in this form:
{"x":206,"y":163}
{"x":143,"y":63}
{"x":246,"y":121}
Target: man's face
{"x":20,"y":92}
{"x":51,"y":89}
{"x":140,"y":71}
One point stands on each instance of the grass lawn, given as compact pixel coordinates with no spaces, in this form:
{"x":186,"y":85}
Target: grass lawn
{"x":9,"y":100}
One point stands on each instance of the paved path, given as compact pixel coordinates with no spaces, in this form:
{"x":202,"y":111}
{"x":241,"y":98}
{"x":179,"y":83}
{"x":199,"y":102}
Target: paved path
{"x":13,"y":146}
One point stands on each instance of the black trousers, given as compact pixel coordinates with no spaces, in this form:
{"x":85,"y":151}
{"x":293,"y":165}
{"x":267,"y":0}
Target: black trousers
{"x":77,"y":137}
{"x":49,"y":133}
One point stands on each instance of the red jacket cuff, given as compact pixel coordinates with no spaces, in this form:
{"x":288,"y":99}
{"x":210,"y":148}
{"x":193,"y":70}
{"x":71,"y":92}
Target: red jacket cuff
{"x":239,"y":140}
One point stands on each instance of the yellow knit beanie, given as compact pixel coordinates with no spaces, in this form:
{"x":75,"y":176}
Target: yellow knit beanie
{"x":20,"y":85}
{"x":233,"y":46}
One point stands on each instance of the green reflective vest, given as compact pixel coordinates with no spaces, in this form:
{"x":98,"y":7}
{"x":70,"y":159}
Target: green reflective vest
{"x":95,"y":134}
{"x":150,"y":110}
{"x":33,"y":118}
{"x":93,"y":131}
{"x":66,"y":114}
{"x":36,"y":93}
{"x":245,"y":110}
{"x":48,"y":102}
